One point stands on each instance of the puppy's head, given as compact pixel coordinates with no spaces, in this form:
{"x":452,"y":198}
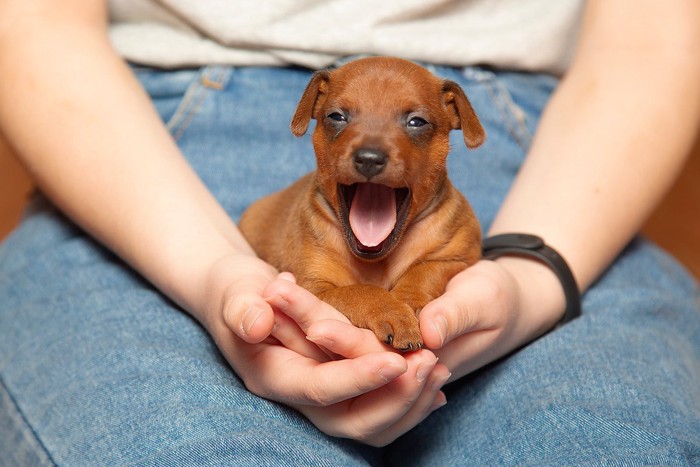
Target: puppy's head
{"x":381,"y":142}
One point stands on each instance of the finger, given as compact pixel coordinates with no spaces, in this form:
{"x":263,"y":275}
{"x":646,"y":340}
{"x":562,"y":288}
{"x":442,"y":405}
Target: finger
{"x":344,"y":339}
{"x":288,"y":334}
{"x":443,"y":319}
{"x":286,"y":377}
{"x":239,"y":281}
{"x":472,"y":351}
{"x":390,"y":403}
{"x":245,"y":312}
{"x":291,"y":334}
{"x":287,"y":276}
{"x":475,"y":299}
{"x":430,"y":399}
{"x":299,"y":304}
{"x":381,"y":416}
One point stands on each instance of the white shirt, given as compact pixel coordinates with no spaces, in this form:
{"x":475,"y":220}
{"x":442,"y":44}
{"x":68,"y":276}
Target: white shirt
{"x":535,"y":35}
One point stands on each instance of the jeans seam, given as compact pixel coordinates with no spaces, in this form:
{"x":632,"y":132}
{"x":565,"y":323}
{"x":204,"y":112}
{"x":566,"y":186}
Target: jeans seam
{"x":25,"y":421}
{"x":514,"y":118}
{"x":211,"y":78}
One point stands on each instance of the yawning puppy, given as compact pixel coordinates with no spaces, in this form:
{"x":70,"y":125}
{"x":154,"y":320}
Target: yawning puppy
{"x":378,"y":229}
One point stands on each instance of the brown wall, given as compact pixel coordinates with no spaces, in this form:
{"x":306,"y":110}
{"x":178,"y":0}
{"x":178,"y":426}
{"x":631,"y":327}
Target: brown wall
{"x":14,"y":189}
{"x":675,"y":225}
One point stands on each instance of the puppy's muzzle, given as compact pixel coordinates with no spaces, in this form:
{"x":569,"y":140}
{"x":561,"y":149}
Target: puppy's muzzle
{"x":370,"y":162}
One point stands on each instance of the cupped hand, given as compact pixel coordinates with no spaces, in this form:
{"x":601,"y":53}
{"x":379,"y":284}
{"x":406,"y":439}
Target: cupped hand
{"x":344,"y":398}
{"x":340,"y":377}
{"x":489,"y":310}
{"x":290,"y":347}
{"x":380,"y":416}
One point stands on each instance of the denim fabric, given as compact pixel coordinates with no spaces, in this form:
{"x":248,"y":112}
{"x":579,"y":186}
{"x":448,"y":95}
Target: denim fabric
{"x":98,"y":368}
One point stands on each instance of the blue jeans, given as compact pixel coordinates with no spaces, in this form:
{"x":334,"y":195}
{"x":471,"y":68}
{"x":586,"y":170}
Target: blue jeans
{"x":99,"y":368}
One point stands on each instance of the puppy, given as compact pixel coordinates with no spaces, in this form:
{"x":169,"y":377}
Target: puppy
{"x":378,"y":229}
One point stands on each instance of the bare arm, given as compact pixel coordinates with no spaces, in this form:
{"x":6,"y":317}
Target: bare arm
{"x":90,"y":137}
{"x":615,"y":134}
{"x":610,"y":143}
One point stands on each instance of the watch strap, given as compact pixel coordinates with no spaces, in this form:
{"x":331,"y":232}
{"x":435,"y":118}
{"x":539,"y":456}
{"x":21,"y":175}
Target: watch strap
{"x":532,"y":246}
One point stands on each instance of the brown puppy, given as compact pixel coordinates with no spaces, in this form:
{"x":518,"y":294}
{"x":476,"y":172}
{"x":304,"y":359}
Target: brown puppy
{"x":378,"y":229}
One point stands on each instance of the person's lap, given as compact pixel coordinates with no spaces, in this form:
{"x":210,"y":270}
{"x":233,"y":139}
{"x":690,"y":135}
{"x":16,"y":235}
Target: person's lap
{"x":97,"y":367}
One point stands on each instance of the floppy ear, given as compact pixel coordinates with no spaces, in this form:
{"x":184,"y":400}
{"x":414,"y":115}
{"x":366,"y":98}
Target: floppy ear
{"x":462,"y":114}
{"x":311,"y":100}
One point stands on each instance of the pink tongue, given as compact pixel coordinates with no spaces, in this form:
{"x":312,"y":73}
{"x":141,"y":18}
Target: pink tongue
{"x":372,"y":213}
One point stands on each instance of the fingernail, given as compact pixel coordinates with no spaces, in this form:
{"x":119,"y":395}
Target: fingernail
{"x":439,"y":383}
{"x":424,"y":370}
{"x":440,"y":401}
{"x":390,"y":371}
{"x":250,"y":317}
{"x":287,"y":276}
{"x":440,"y":324}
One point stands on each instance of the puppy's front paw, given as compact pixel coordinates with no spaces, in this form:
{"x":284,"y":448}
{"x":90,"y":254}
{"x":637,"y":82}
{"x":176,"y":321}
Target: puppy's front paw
{"x":398,"y":327}
{"x":371,"y":307}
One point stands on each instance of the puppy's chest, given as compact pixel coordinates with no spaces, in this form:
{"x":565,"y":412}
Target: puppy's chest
{"x":379,"y":274}
{"x":385,"y":273}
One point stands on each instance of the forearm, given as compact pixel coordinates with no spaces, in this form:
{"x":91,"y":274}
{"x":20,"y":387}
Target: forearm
{"x":611,"y":141}
{"x":609,"y":144}
{"x":88,"y":134}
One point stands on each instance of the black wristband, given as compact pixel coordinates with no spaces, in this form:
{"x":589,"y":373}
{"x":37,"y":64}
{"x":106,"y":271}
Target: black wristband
{"x":534,"y":247}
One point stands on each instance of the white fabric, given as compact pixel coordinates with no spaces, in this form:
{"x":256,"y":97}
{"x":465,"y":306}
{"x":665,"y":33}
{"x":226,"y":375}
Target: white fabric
{"x":533,"y":35}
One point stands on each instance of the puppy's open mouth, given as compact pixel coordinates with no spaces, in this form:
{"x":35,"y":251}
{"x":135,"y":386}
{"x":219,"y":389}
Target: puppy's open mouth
{"x":373,"y":217}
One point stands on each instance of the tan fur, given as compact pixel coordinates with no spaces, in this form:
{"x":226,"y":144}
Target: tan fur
{"x":299,"y":229}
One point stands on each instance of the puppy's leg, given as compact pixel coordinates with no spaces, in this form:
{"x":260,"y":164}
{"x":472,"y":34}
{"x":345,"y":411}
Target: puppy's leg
{"x":371,"y":307}
{"x":425,"y":282}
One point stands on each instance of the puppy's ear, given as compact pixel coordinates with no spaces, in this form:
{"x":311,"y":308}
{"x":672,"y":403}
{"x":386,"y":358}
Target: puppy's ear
{"x":311,"y":100}
{"x":462,"y":114}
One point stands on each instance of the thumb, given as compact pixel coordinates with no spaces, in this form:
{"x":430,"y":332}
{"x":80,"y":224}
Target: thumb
{"x":470,"y":303}
{"x":242,"y":307}
{"x":249,"y":316}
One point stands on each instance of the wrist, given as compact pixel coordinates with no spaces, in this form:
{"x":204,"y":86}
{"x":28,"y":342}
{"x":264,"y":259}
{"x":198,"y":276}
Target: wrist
{"x":541,"y":296}
{"x":191,"y":273}
{"x":533,"y":247}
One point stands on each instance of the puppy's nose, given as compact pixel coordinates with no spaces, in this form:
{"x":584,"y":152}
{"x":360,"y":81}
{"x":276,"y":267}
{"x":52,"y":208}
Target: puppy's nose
{"x":370,"y":162}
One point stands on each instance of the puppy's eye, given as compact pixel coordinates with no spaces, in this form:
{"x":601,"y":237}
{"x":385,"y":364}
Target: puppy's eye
{"x":338,"y":117}
{"x":416,"y":122}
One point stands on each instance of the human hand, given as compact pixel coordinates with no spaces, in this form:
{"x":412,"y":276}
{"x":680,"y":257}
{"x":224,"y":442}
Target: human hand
{"x":340,"y":377}
{"x":489,"y":310}
{"x":369,"y":393}
{"x":247,"y":329}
